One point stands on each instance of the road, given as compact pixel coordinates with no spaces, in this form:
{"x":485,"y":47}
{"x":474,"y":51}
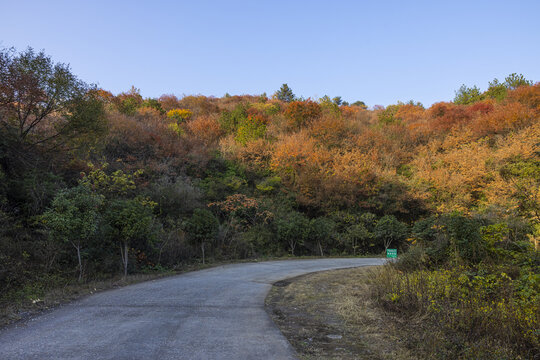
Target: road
{"x":217,"y":313}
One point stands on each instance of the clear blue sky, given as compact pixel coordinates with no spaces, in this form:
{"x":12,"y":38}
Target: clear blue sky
{"x":376,"y":51}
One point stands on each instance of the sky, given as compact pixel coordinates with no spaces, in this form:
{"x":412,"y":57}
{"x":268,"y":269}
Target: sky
{"x":379,"y":52}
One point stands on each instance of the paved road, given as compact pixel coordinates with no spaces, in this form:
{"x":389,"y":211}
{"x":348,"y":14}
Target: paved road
{"x":216,"y":313}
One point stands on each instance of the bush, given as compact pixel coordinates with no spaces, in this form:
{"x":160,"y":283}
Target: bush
{"x":478,"y":305}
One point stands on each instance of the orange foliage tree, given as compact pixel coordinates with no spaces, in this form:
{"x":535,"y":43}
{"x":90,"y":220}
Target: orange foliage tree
{"x":299,"y":113}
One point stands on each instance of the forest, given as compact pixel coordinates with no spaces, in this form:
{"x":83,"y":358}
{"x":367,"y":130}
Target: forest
{"x":94,"y":184}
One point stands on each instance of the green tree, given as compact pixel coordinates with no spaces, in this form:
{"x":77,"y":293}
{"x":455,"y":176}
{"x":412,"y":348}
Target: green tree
{"x":230,"y":120}
{"x":128,"y":102}
{"x":73,"y":218}
{"x":496,"y":90}
{"x":337,"y":100}
{"x":358,"y":236}
{"x":320,"y":232}
{"x":466,"y":95}
{"x":202,"y":227}
{"x":360,"y":104}
{"x":285,"y":94}
{"x":386,"y":116}
{"x":129,"y":220}
{"x":515,"y":80}
{"x":390,"y":230}
{"x":292,"y":229}
{"x":42,"y":101}
{"x":154,"y":104}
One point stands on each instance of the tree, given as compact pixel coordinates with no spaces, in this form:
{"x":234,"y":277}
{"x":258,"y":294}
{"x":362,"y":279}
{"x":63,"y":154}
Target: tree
{"x":496,"y":90}
{"x":284,"y":94}
{"x":360,"y":104}
{"x":41,"y":101}
{"x":466,"y":95}
{"x":129,"y":220}
{"x":73,"y":218}
{"x":168,"y":102}
{"x":299,"y":113}
{"x":292,"y":229}
{"x":153,"y":104}
{"x":390,"y":230}
{"x":337,"y":100}
{"x":514,"y":81}
{"x":128,"y":102}
{"x":320,"y":231}
{"x":201,"y":227}
{"x":357,"y":234}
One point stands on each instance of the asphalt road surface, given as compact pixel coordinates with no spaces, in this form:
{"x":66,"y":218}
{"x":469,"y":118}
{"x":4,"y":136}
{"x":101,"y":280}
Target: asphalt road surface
{"x":216,"y":313}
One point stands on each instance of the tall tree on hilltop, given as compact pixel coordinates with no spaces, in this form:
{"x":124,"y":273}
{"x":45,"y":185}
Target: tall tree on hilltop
{"x":285,"y":94}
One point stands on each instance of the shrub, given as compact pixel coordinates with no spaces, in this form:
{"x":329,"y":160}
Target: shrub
{"x":474,"y":304}
{"x":179,"y":115}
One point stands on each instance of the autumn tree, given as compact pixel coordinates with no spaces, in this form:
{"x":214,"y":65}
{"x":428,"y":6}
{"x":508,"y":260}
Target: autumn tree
{"x":299,"y":113}
{"x":168,"y":102}
{"x":42,"y":101}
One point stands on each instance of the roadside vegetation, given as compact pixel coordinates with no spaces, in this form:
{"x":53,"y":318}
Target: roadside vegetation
{"x":95,"y":185}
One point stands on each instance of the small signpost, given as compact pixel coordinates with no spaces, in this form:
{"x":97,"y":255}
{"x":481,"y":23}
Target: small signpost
{"x":391,"y":253}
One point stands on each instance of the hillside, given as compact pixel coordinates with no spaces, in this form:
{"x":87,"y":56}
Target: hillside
{"x":95,"y":184}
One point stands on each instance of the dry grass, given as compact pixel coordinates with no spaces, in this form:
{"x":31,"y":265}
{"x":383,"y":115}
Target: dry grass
{"x":312,"y":308}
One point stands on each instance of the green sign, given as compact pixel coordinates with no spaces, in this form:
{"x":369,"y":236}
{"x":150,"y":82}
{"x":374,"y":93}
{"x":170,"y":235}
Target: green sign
{"x":391,"y":253}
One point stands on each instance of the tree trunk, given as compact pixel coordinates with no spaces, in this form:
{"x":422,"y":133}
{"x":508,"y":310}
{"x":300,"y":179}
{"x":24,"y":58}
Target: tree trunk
{"x":125,"y":259}
{"x":387,"y":245}
{"x":80,"y":261}
{"x":77,"y":247}
{"x":320,"y":248}
{"x":124,"y":254}
{"x":202,"y":248}
{"x":292,"y":244}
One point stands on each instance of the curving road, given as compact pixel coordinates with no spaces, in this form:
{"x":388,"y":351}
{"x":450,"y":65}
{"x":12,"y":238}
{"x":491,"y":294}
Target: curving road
{"x":216,"y":313}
